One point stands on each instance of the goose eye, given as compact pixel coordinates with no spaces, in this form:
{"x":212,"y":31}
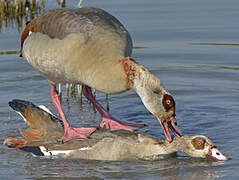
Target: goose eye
{"x":198,"y":143}
{"x":168,"y":102}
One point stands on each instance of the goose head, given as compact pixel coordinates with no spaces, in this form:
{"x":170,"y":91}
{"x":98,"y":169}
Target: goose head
{"x":158,"y":101}
{"x":163,"y":108}
{"x":198,"y":146}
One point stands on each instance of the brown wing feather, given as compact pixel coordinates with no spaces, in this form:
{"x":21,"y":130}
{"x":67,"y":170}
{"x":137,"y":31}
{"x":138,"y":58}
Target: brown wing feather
{"x":41,"y":126}
{"x":14,"y":142}
{"x":32,"y":134}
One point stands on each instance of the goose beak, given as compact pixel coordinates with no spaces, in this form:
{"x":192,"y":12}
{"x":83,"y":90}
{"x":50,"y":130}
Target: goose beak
{"x":214,"y":153}
{"x":170,"y":124}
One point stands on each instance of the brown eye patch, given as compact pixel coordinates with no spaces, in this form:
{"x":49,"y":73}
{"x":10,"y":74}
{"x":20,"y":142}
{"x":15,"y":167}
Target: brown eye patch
{"x":198,"y":143}
{"x":168,"y":102}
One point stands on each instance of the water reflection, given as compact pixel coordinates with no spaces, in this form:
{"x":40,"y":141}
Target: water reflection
{"x":69,"y":178}
{"x":9,"y":52}
{"x":170,"y":168}
{"x":215,"y":44}
{"x":61,"y":3}
{"x":18,"y":12}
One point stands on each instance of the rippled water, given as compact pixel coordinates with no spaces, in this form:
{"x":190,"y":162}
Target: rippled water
{"x":203,"y":78}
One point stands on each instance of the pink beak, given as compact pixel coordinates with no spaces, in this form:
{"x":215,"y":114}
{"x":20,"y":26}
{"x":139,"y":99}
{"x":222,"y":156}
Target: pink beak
{"x":170,"y":123}
{"x":216,"y":154}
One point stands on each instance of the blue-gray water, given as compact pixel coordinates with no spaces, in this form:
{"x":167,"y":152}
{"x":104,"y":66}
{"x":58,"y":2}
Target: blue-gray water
{"x":203,"y":78}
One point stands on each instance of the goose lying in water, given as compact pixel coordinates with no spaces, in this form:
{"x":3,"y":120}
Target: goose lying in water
{"x":43,"y":138}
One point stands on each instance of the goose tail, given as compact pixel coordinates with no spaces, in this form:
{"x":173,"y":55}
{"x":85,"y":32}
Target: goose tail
{"x":43,"y":126}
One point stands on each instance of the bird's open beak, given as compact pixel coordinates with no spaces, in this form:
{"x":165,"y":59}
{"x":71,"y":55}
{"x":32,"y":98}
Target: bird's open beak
{"x":170,"y":123}
{"x":214,"y":153}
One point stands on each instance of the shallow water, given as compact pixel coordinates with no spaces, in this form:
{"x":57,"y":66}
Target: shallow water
{"x":203,"y":79}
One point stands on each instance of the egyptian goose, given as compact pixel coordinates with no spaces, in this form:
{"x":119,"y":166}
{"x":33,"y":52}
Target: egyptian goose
{"x":91,"y":47}
{"x":42,"y":139}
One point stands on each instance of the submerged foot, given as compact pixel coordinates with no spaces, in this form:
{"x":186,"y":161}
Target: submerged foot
{"x":75,"y":133}
{"x":113,"y":124}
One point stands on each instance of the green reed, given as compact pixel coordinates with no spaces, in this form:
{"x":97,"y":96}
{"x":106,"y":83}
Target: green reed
{"x":18,"y":12}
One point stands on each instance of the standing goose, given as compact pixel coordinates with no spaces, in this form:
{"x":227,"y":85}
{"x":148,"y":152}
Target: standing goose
{"x":89,"y":46}
{"x":41,"y":139}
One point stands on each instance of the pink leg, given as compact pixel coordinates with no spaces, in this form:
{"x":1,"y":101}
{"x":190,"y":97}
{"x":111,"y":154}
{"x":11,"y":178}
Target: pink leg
{"x":70,"y":132}
{"x":107,"y":119}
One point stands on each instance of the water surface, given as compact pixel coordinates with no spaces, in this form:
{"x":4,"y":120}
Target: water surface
{"x":190,"y":46}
